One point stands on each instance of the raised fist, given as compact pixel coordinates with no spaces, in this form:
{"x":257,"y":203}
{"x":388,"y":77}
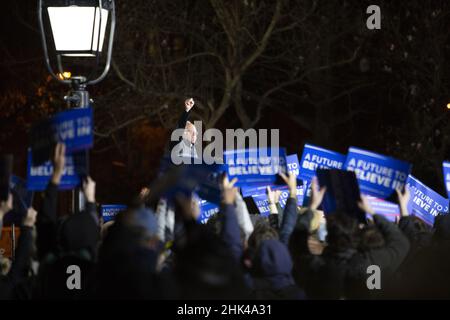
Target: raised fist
{"x":189,"y":104}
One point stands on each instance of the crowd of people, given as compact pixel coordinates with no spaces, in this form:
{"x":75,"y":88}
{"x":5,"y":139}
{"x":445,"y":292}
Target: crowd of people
{"x":159,"y":250}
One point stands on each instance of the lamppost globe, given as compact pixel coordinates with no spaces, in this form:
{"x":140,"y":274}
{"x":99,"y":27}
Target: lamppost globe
{"x":78,"y":30}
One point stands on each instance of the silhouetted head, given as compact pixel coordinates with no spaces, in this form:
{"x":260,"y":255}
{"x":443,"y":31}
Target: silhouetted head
{"x":341,"y":231}
{"x":370,"y":237}
{"x":442,"y":228}
{"x":215,"y":224}
{"x":262,"y":231}
{"x":272,"y":258}
{"x":205,"y":269}
{"x":79,"y":232}
{"x":418,"y":232}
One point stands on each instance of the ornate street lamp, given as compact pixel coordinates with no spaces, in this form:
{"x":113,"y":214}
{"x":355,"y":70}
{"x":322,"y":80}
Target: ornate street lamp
{"x":78,"y":30}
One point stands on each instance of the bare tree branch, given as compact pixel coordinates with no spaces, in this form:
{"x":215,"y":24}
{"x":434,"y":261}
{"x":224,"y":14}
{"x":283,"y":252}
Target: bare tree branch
{"x":288,"y":83}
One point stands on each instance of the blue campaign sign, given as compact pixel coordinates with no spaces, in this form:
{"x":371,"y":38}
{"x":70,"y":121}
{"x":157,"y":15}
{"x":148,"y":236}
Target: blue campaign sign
{"x":377,"y":175}
{"x":425,"y":202}
{"x":39,"y":176}
{"x":110,"y":211}
{"x":262,"y":202}
{"x":202,"y":179}
{"x":248,"y":191}
{"x":207,"y":210}
{"x":255,"y":166}
{"x":22,"y":200}
{"x":446,"y":167}
{"x":301,"y":191}
{"x":388,"y":209}
{"x":73,"y":127}
{"x":292,"y":164}
{"x":314,"y":158}
{"x":208,"y":187}
{"x":19,"y":188}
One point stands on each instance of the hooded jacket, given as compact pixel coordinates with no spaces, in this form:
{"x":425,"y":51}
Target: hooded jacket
{"x":343,"y":274}
{"x":62,"y":242}
{"x":427,"y":274}
{"x":273,"y":273}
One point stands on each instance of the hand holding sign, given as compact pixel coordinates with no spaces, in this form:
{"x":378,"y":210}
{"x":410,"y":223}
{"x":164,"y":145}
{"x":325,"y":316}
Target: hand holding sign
{"x":229,"y":191}
{"x":291,"y":182}
{"x":273,"y":198}
{"x":59,"y":162}
{"x":316,"y":194}
{"x":189,"y":104}
{"x":403,"y":199}
{"x":365,"y":206}
{"x":273,"y":195}
{"x":30,"y":219}
{"x":6,"y":206}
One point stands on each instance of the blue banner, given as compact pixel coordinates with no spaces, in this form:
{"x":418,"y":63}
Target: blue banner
{"x":248,"y":191}
{"x":207,"y":210}
{"x":446,"y":167}
{"x":39,"y":176}
{"x":22,"y":200}
{"x":262,"y":202}
{"x":19,"y":188}
{"x":314,"y":158}
{"x":389,"y":210}
{"x":110,"y":211}
{"x":202,"y":179}
{"x":292,"y":164}
{"x":74,"y":127}
{"x":255,"y":166}
{"x":208,"y":187}
{"x":425,"y":202}
{"x":377,"y":175}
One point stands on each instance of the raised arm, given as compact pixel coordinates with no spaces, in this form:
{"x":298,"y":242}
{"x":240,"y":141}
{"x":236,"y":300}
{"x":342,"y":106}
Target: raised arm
{"x":20,"y":265}
{"x":403,"y":199}
{"x":243,"y":216}
{"x":290,"y":210}
{"x":46,"y":220}
{"x":230,"y":229}
{"x":188,"y":105}
{"x":276,"y":212}
{"x":304,"y":219}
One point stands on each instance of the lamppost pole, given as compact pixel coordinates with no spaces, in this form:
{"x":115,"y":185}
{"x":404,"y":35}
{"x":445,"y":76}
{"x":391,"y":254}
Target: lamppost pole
{"x":79,"y":96}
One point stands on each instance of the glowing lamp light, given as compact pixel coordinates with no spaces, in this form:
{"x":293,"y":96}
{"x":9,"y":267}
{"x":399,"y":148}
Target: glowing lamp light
{"x":78,"y":28}
{"x":65,"y":75}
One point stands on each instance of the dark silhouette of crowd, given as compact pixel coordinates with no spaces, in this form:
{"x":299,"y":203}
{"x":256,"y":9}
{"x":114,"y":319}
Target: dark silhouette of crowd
{"x":159,"y":250}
